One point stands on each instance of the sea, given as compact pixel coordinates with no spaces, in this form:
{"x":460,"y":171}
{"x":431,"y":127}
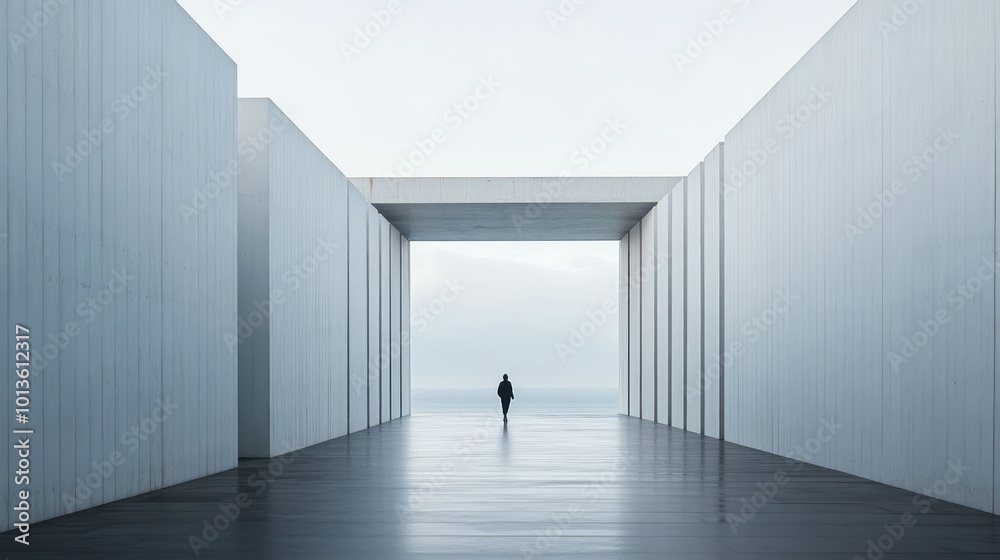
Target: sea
{"x":526,"y":400}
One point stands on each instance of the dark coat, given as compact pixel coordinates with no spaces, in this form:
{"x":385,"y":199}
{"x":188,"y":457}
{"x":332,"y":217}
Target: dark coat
{"x":505,"y":390}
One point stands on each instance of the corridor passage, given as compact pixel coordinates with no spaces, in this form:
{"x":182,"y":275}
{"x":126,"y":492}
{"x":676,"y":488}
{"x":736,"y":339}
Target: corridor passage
{"x":548,"y":486}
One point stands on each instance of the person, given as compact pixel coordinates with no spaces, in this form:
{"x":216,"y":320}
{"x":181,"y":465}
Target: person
{"x":506,"y":393}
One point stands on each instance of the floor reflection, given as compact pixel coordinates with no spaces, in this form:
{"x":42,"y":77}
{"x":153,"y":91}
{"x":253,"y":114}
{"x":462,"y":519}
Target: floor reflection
{"x":465,"y":486}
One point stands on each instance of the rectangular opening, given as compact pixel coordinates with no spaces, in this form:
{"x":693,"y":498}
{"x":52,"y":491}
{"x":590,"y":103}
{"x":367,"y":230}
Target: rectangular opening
{"x":544,"y":313}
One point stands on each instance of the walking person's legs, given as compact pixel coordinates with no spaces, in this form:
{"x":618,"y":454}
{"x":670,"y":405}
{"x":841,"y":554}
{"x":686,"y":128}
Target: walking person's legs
{"x":506,"y":407}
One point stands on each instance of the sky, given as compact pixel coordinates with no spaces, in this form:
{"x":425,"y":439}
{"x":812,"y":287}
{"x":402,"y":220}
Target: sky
{"x":518,"y":86}
{"x":485,"y":309}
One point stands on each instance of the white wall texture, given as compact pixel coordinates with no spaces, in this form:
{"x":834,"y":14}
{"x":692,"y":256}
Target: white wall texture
{"x":635,"y":320}
{"x":714,"y":352}
{"x":118,"y":117}
{"x":647,"y":294}
{"x":679,"y":305}
{"x":693,"y":297}
{"x":852,"y":275}
{"x":318,"y":284}
{"x":910,"y":107}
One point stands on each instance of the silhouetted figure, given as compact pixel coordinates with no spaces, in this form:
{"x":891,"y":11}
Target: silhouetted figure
{"x":506,"y":393}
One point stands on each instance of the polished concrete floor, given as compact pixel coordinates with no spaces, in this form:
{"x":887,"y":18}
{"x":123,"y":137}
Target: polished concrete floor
{"x":463,"y":487}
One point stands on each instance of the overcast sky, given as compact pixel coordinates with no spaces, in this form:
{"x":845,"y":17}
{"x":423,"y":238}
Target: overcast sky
{"x":556,"y":71}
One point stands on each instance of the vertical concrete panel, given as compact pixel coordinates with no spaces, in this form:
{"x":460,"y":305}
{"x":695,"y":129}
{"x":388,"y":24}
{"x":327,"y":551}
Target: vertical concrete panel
{"x":309,"y":264}
{"x":996,"y":293}
{"x":623,"y":269}
{"x":395,"y":322}
{"x":374,"y":317}
{"x":693,"y":297}
{"x":404,"y":270}
{"x":649,"y":268}
{"x":385,"y":323}
{"x":47,"y":229}
{"x":907,"y":297}
{"x":80,"y":245}
{"x":168,"y":434}
{"x":92,"y":255}
{"x":712,"y":319}
{"x":64,"y":260}
{"x":964,"y":158}
{"x":678,"y":305}
{"x":227,"y":288}
{"x":662,"y":315}
{"x":635,"y":322}
{"x":910,"y":276}
{"x":869,"y":257}
{"x":734,"y":202}
{"x":930,"y":261}
{"x":15,"y":191}
{"x":253,"y":273}
{"x":7,"y":353}
{"x":358,"y":310}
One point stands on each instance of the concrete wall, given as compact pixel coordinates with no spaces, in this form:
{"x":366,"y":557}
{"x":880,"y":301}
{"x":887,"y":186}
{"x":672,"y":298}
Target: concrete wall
{"x":844,"y":244}
{"x":110,"y":254}
{"x":906,"y":104}
{"x":673,"y":328}
{"x":641,"y":259}
{"x":308,"y":298}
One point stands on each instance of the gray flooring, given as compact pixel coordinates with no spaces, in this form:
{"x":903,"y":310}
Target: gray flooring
{"x":462,"y":486}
